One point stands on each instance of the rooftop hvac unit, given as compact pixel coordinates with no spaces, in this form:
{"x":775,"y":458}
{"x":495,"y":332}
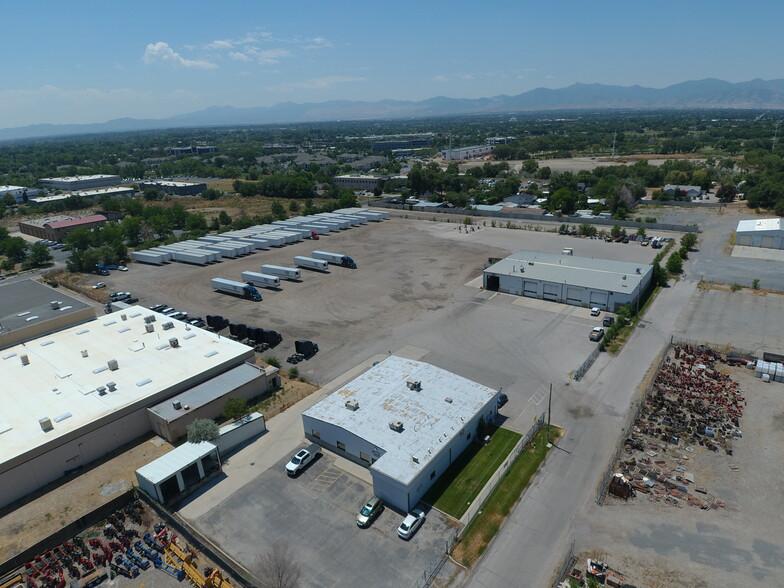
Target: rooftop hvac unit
{"x":112,"y":386}
{"x":415,"y":458}
{"x":396,"y":426}
{"x":55,"y":304}
{"x":25,"y":359}
{"x":149,"y":328}
{"x":414,"y":385}
{"x":124,"y":317}
{"x":167,"y":326}
{"x":352,"y":405}
{"x":149,"y":319}
{"x":448,"y":399}
{"x":174,"y":342}
{"x":84,"y":353}
{"x":176,"y":404}
{"x":101,"y":390}
{"x":113,"y":365}
{"x":46,"y":424}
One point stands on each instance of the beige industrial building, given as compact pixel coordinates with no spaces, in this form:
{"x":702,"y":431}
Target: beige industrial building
{"x":74,"y":395}
{"x":72,"y":183}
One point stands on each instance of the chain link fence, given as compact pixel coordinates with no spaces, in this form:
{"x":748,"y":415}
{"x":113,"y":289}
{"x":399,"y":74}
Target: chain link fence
{"x":568,"y":561}
{"x":580,"y":371}
{"x":430,"y":573}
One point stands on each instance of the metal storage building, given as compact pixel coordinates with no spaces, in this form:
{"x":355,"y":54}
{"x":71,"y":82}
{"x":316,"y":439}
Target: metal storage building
{"x":172,"y":474}
{"x":406,"y":420}
{"x":761,"y":232}
{"x":579,"y":281}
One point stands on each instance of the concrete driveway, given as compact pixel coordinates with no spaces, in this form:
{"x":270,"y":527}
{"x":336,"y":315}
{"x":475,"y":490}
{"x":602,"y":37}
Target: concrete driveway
{"x":315,"y":515}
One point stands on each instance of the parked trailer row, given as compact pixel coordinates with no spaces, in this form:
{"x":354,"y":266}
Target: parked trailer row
{"x":145,"y":257}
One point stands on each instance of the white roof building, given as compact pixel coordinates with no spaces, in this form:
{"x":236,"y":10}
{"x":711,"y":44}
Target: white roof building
{"x":407,"y":420}
{"x":71,"y":396}
{"x":760,"y":232}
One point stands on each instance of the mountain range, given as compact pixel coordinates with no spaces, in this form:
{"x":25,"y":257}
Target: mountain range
{"x":708,"y":93}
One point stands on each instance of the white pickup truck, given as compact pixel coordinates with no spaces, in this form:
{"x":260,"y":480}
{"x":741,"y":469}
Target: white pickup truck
{"x":301,"y":459}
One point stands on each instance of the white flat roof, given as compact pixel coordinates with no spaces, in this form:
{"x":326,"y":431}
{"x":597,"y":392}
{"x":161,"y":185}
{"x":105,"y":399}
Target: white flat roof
{"x":176,"y":460}
{"x":430,"y":421}
{"x":61,"y":384}
{"x":585,"y":272}
{"x":78,"y":178}
{"x":759,"y":224}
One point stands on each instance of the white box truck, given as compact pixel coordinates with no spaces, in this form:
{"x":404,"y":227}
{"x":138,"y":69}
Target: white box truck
{"x":289,"y":273}
{"x":310,"y":263}
{"x":236,"y":288}
{"x":264,"y":280}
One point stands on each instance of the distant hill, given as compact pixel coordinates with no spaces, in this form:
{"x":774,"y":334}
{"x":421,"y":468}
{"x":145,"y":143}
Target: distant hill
{"x":707,"y":93}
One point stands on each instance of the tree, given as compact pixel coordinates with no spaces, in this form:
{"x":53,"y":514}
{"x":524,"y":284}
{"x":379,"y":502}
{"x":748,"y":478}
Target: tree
{"x":277,"y":567}
{"x":675,"y":263}
{"x":641,"y":232}
{"x":79,"y":240}
{"x":278,"y":211}
{"x":14,"y":248}
{"x":202,"y":430}
{"x":544,"y":173}
{"x":152,"y":194}
{"x":39,"y":255}
{"x":530,"y":166}
{"x":615,"y":232}
{"x":211,"y":194}
{"x":726,"y":193}
{"x":689,"y":240}
{"x":293,"y":206}
{"x":235,"y":408}
{"x":224,"y":218}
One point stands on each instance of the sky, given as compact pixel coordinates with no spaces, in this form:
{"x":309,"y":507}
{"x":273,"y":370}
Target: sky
{"x":85,"y":61}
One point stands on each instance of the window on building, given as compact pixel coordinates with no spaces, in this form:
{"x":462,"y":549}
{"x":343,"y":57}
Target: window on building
{"x":469,"y":435}
{"x":341,"y":446}
{"x":316,"y":434}
{"x":432,"y":474}
{"x":364,"y":456}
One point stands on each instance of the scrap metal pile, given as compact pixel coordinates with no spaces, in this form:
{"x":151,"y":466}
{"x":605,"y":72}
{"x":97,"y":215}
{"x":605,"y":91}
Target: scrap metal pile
{"x":691,"y":404}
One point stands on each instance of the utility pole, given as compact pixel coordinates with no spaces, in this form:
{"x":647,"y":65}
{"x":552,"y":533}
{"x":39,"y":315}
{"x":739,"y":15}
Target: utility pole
{"x":615,"y":135}
{"x":775,"y":136}
{"x":549,"y":405}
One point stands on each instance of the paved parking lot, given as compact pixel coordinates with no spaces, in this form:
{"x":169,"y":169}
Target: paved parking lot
{"x":315,"y":515}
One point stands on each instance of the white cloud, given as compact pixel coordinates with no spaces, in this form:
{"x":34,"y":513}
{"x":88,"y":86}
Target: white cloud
{"x":219,"y":44}
{"x":318,"y":43}
{"x":269,"y":56}
{"x":237,"y":56}
{"x":160,"y":52}
{"x":441,"y":78}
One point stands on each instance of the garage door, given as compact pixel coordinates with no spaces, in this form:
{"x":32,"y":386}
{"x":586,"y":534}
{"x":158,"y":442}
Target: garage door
{"x":767,"y":241}
{"x":551,"y":291}
{"x":492,"y":282}
{"x":530,"y":289}
{"x":599,"y":299}
{"x":574,"y":296}
{"x":743,"y":240}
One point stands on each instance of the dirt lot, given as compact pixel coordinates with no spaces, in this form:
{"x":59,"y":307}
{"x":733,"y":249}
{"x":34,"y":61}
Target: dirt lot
{"x":670,"y":546}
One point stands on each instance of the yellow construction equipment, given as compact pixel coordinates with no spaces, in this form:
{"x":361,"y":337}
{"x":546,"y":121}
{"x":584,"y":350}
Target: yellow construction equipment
{"x":214,"y":580}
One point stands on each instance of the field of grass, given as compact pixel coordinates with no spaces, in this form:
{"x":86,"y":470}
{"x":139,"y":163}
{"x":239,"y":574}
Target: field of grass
{"x":466,"y":477}
{"x":502,"y":500}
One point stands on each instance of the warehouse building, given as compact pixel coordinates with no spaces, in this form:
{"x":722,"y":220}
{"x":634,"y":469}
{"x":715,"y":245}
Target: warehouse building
{"x":113,"y":192}
{"x":55,"y":229}
{"x":406,"y":420}
{"x":762,"y":232}
{"x":464,"y":153}
{"x":19,"y":193}
{"x":73,"y":183}
{"x":175,"y":188}
{"x":29,"y":309}
{"x":359,"y":182}
{"x":579,"y":281}
{"x":73,"y":396}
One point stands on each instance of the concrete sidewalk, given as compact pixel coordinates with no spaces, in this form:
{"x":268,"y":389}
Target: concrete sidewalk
{"x":284,"y":434}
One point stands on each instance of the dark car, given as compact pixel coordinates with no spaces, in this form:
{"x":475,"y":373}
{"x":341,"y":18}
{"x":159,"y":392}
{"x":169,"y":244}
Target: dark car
{"x":131,"y":300}
{"x":158,"y":307}
{"x":502,"y":399}
{"x":608,"y":321}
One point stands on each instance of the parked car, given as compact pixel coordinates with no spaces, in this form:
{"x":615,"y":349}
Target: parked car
{"x":123,"y":268}
{"x":197,"y":322}
{"x":596,"y":311}
{"x":502,"y":399}
{"x":158,"y":307}
{"x":370,"y":511}
{"x":131,"y":300}
{"x":117,"y":296}
{"x":608,"y":321}
{"x":301,"y":459}
{"x":410,"y":524}
{"x":99,"y":285}
{"x":168,"y":311}
{"x":180,"y":316}
{"x":596,"y":334}
{"x":2,"y":277}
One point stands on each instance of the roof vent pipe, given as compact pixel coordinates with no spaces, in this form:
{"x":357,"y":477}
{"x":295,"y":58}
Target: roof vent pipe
{"x":84,"y":353}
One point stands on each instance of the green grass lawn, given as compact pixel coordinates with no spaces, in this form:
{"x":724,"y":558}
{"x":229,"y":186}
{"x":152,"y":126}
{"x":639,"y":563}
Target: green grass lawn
{"x":469,"y":473}
{"x":502,"y":500}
